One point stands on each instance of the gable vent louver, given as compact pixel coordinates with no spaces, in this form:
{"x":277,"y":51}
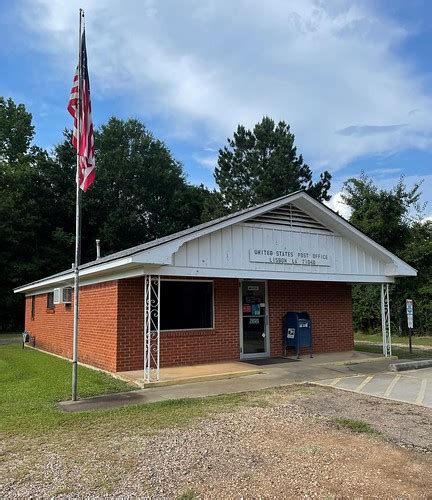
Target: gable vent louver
{"x":289,"y":216}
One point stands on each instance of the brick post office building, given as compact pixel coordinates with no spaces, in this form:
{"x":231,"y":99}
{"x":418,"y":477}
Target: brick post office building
{"x":217,"y":291}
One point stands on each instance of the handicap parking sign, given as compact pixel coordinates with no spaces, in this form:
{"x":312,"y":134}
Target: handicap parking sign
{"x":410,"y":313}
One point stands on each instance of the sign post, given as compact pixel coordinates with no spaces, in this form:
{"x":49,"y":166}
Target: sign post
{"x":410,"y":320}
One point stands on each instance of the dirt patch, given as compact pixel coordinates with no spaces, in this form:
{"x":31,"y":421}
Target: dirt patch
{"x":288,"y":449}
{"x":406,"y":425}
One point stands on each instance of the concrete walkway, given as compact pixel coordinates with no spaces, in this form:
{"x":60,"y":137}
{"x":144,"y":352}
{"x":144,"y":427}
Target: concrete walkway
{"x":273,"y":374}
{"x":414,"y":386}
{"x":197,"y":373}
{"x":230,"y":369}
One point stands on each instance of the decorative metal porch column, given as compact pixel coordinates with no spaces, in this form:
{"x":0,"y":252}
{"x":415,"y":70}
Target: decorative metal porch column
{"x":385,"y":318}
{"x":151,"y":327}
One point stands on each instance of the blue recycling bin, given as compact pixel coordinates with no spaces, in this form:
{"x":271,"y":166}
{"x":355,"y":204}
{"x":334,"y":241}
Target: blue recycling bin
{"x":297,"y":331}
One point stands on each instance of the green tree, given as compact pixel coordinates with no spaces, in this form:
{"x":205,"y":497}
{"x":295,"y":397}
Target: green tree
{"x":260,"y":164}
{"x":16,"y":131}
{"x":25,"y":229}
{"x":393,"y":219}
{"x":140,"y":193}
{"x":198,"y":204}
{"x":418,"y":253}
{"x":384,"y":215}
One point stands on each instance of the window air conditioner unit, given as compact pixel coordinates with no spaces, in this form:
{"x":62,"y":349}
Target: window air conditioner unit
{"x":63,"y":295}
{"x":57,"y":296}
{"x":67,"y":295}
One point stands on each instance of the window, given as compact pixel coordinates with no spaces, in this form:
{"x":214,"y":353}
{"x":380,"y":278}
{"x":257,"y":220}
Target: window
{"x":50,"y":300}
{"x":33,"y":305}
{"x":67,"y":295}
{"x":186,"y":305}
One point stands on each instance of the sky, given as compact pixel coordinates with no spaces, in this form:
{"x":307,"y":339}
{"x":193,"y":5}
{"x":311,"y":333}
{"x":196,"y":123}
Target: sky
{"x":353,"y":78}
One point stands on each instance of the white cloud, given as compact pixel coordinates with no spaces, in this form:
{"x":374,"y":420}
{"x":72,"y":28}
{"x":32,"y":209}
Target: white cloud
{"x":336,"y":204}
{"x":208,"y":162}
{"x":322,"y":66}
{"x":384,"y":171}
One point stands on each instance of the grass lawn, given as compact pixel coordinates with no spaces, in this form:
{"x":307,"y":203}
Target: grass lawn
{"x":10,"y":338}
{"x":355,"y":425}
{"x":32,"y":382}
{"x":400,"y":352}
{"x":377,"y":337}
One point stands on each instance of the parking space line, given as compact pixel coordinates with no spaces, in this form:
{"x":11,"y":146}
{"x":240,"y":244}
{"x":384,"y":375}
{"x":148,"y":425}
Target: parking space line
{"x":392,"y":384}
{"x":334,"y":382}
{"x":421,"y":392}
{"x":365,"y":381}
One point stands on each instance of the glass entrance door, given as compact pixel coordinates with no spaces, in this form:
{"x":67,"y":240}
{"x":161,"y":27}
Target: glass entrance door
{"x":254,"y":319}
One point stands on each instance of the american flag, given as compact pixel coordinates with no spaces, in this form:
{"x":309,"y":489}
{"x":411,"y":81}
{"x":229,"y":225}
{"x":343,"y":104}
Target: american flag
{"x":87,"y":171}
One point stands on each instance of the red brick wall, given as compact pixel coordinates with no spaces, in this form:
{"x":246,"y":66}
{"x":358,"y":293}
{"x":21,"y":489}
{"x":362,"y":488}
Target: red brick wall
{"x":98,"y":325}
{"x":130,"y":339}
{"x":181,"y":347}
{"x":97,"y":341}
{"x":51,"y":328}
{"x":111,"y":323}
{"x":328,"y":304}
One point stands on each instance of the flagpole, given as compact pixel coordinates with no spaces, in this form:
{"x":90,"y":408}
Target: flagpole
{"x":77,"y":223}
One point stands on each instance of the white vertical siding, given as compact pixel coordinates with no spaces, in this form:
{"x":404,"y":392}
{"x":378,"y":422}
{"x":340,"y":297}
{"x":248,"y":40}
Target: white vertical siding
{"x":229,"y":248}
{"x":216,"y":250}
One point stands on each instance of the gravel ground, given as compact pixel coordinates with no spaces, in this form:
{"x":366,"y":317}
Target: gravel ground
{"x":406,"y":425}
{"x":288,"y":449}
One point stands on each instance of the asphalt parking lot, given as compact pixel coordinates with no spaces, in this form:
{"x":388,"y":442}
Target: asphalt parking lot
{"x":413,"y":386}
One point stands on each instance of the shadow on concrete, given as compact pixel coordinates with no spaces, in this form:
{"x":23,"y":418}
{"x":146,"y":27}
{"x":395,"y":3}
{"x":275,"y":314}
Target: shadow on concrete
{"x":271,"y":361}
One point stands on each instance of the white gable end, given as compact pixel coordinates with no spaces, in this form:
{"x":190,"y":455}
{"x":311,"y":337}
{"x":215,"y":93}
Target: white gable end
{"x":288,"y":242}
{"x":288,"y":252}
